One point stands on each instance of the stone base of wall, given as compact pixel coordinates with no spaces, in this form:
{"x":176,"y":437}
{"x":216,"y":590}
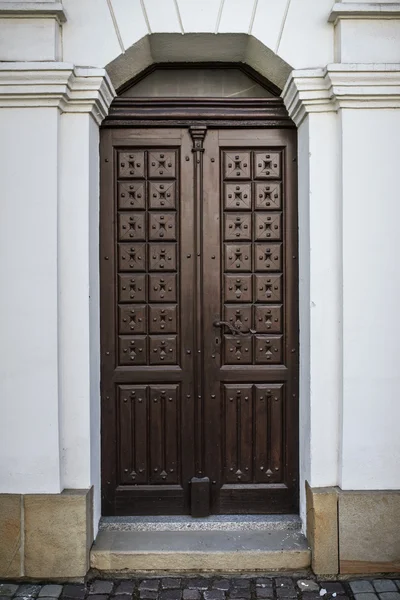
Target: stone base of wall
{"x":46,"y":536}
{"x":353,"y":532}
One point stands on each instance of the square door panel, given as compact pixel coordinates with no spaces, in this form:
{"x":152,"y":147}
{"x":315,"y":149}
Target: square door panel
{"x":268,"y":288}
{"x":132,"y":318}
{"x":267,"y":226}
{"x":237,"y":289}
{"x":132,"y":288}
{"x":238,"y":350}
{"x":161,"y":165}
{"x":163,"y":350}
{"x":237,"y":165}
{"x":131,"y":226}
{"x":268,"y":196}
{"x":132,"y":257}
{"x":268,"y":349}
{"x":239,"y":315}
{"x":131,"y":195}
{"x":162,"y":288}
{"x":133,"y":350}
{"x":267,"y":165}
{"x":131,"y":164}
{"x":161,"y":194}
{"x":238,"y":257}
{"x":268,"y":319}
{"x":162,"y":226}
{"x":237,"y":226}
{"x":268,"y":257}
{"x":162,"y":257}
{"x":237,"y":196}
{"x":163,"y":318}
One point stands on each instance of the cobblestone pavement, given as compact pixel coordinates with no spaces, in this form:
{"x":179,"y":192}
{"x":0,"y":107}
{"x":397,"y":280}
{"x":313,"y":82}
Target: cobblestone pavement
{"x":207,"y":588}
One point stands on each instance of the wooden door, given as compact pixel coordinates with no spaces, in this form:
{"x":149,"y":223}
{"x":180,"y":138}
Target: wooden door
{"x":198,"y":228}
{"x":250,"y":320}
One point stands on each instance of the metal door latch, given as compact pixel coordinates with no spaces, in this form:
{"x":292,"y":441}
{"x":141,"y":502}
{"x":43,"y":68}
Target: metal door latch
{"x":234,"y":330}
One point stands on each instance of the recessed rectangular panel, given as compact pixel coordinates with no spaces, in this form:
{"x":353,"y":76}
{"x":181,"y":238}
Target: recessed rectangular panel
{"x":132,"y":350}
{"x":237,"y":288}
{"x":163,"y":318}
{"x":131,"y":195}
{"x":132,"y":318}
{"x":269,"y":423}
{"x":237,"y":196}
{"x":268,"y":319}
{"x":162,"y":195}
{"x":163,"y":350}
{"x":132,"y":257}
{"x":132,"y":431}
{"x":238,"y":428}
{"x":131,"y":226}
{"x":268,"y":196}
{"x":132,"y":288}
{"x":268,"y":257}
{"x":240,"y":316}
{"x":161,"y":165}
{"x":131,"y":164}
{"x":268,"y":288}
{"x":237,"y":257}
{"x":164,"y":434}
{"x":267,"y":226}
{"x":162,"y":257}
{"x":267,"y":165}
{"x":237,"y":226}
{"x":162,"y":226}
{"x":238,"y":350}
{"x":268,"y":349}
{"x":162,"y":288}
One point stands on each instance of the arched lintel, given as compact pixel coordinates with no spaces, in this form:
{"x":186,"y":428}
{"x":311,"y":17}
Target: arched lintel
{"x":235,"y":48}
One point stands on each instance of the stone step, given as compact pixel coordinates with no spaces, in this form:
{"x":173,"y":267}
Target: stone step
{"x":200,"y":550}
{"x":215,"y":522}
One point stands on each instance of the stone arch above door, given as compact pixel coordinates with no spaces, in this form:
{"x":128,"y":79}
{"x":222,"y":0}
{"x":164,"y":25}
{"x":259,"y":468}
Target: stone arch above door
{"x":198,"y":47}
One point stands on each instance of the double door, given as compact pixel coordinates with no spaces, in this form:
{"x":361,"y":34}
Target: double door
{"x":199,"y":321}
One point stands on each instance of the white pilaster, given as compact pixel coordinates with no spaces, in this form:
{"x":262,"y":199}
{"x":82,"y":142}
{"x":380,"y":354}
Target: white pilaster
{"x":49,"y":380}
{"x":309,"y":103}
{"x":349,"y":124}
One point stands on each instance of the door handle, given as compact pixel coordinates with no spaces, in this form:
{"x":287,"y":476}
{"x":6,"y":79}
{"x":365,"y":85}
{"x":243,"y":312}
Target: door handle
{"x":234,"y":330}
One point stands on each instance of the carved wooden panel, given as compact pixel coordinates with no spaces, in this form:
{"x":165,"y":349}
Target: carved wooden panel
{"x":149,"y":424}
{"x":253,"y":255}
{"x":148,"y":254}
{"x":253,"y":433}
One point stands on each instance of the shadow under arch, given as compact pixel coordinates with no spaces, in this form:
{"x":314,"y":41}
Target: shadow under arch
{"x":158,"y":48}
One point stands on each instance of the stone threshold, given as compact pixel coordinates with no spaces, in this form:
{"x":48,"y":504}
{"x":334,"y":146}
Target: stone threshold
{"x":212,"y":523}
{"x":184,"y":545}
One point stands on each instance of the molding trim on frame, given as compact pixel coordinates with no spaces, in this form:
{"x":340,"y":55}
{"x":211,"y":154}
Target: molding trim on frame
{"x":36,"y":10}
{"x":341,"y":86}
{"x":364,"y":10}
{"x":71,"y":89}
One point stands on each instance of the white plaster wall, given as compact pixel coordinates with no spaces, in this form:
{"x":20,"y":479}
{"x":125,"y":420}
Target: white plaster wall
{"x":371,"y":294}
{"x":298,"y":31}
{"x":29,"y":39}
{"x":73,"y":272}
{"x":304,"y":310}
{"x":29,"y":441}
{"x":357,"y":41}
{"x":324,"y":310}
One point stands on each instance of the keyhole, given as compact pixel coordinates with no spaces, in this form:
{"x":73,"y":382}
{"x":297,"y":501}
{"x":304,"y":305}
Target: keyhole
{"x":216,"y":341}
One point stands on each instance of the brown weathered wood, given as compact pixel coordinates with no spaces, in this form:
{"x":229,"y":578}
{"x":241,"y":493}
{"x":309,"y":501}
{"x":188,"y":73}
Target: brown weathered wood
{"x":188,"y":398}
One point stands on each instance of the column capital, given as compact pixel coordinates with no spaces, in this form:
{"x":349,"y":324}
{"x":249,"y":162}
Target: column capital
{"x":34,"y":9}
{"x":62,"y":85}
{"x":341,"y":86}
